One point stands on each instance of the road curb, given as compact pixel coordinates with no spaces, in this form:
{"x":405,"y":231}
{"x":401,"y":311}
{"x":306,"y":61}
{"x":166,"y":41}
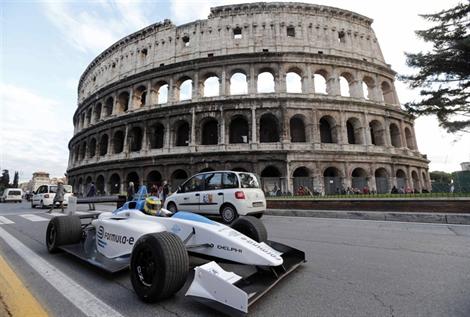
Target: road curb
{"x":445,"y":218}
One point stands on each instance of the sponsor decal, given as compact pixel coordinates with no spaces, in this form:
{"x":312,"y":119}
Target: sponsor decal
{"x":230,"y":249}
{"x":113,"y":237}
{"x":233,"y":233}
{"x":260,"y":247}
{"x":207,"y":198}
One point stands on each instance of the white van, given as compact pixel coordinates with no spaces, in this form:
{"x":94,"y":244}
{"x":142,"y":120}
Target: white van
{"x":12,"y":194}
{"x":44,"y":195}
{"x":227,"y":193}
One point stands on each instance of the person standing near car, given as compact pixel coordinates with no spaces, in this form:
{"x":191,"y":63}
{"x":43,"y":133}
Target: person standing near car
{"x":59,"y":196}
{"x":91,"y":193}
{"x":166,"y":191}
{"x":130,"y":191}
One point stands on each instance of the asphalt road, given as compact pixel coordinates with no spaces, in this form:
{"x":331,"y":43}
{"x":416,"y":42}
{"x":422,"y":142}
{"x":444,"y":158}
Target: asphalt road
{"x":354,"y":268}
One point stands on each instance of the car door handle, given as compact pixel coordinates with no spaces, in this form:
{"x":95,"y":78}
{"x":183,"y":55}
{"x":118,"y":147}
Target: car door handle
{"x":220,"y":194}
{"x":197,"y":195}
{"x":185,"y":198}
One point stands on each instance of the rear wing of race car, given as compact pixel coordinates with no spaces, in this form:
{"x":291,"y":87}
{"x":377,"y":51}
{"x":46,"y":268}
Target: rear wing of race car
{"x":233,"y":292}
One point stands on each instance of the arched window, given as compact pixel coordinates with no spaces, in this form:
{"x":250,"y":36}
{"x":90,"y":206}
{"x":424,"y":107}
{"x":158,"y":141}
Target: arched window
{"x":97,"y":112}
{"x":140,"y":96}
{"x":92,"y":148}
{"x":182,"y":134}
{"x":409,"y":139}
{"x":154,"y":178}
{"x":376,"y":133}
{"x":135,"y":139}
{"x":367,"y":87}
{"x":387,"y":93}
{"x":133,"y":177}
{"x":328,"y":132}
{"x":109,"y":106}
{"x":83,"y":151}
{"x":319,"y":80}
{"x":381,"y":181}
{"x":359,"y":179}
{"x":157,"y":136}
{"x":332,"y":181}
{"x":114,"y":184}
{"x":265,"y":82}
{"x":344,"y":83}
{"x":395,"y":135}
{"x":211,"y":86}
{"x":186,"y":90}
{"x":238,"y":131}
{"x":297,"y":130}
{"x":354,"y":129}
{"x":118,"y":142}
{"x":238,"y":84}
{"x":104,"y":145}
{"x":268,"y":128}
{"x":177,"y":178}
{"x":210,"y":133}
{"x":293,"y":83}
{"x":100,"y":185}
{"x":416,"y":185}
{"x":123,"y":102}
{"x":302,"y":181}
{"x":401,"y":180}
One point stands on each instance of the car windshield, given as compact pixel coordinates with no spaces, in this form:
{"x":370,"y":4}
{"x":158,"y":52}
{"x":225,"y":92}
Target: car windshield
{"x":248,"y":180}
{"x":68,"y":189}
{"x":14,"y":193}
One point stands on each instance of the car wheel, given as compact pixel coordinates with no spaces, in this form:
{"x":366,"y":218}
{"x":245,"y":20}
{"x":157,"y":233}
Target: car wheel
{"x":41,"y":205}
{"x":32,"y":205}
{"x":63,"y":230}
{"x":228,"y":213}
{"x":159,"y":266}
{"x":172,"y":207}
{"x":251,"y":227}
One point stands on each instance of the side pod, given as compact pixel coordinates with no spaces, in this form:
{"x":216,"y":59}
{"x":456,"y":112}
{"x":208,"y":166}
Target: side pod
{"x":231,"y":293}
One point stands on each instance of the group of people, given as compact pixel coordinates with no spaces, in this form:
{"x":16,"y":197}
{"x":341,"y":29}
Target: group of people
{"x":161,"y":192}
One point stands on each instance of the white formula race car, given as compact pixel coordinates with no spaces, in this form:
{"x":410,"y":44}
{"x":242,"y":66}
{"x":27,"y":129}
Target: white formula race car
{"x":156,"y":250}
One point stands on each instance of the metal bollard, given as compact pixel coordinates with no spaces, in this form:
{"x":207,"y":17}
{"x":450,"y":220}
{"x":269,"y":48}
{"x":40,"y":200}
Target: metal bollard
{"x":72,"y":205}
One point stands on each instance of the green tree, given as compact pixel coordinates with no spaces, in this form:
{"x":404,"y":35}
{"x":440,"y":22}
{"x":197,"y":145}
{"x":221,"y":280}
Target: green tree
{"x":5,"y":179}
{"x":15,"y":180}
{"x":444,"y":71}
{"x":440,"y":177}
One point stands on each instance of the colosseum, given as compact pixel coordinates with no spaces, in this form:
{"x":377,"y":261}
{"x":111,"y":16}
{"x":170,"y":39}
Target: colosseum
{"x":298,"y":93}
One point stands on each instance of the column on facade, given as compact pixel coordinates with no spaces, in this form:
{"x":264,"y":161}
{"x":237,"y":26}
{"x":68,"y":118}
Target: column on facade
{"x":402,"y":134}
{"x":280,"y":81}
{"x":254,"y":136}
{"x":332,"y":84}
{"x":167,"y":134}
{"x":388,"y":139}
{"x":355,"y":89}
{"x":130,"y":102}
{"x":196,"y":94}
{"x":222,"y":127}
{"x":315,"y":128}
{"x":192,"y":141}
{"x":367,"y":137}
{"x":223,"y":83}
{"x":252,"y":80}
{"x":343,"y":136}
{"x":126,"y":141}
{"x":145,"y":143}
{"x":307,"y":81}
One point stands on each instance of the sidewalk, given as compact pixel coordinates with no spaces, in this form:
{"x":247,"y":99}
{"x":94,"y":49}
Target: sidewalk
{"x":446,"y":218}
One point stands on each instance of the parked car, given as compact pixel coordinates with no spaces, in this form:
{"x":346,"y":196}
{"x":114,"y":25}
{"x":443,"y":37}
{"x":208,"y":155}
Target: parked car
{"x":227,"y":193}
{"x":44,"y":195}
{"x":12,"y":194}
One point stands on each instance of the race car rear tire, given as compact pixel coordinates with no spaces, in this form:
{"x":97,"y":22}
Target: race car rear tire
{"x":251,"y":227}
{"x":159,"y":266}
{"x":63,"y":230}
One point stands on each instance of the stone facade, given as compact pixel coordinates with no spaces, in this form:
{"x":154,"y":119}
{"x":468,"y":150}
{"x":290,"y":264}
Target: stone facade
{"x":297,"y":93}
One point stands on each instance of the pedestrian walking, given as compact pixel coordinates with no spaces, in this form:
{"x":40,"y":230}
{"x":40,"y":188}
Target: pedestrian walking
{"x":130,"y":191}
{"x":166,"y":191}
{"x":90,"y":194}
{"x":59,"y":197}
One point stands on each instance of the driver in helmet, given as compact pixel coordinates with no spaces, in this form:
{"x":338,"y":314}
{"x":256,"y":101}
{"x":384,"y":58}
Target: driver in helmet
{"x":153,"y":206}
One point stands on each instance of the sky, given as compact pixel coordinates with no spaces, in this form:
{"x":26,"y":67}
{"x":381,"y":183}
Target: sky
{"x":46,"y":45}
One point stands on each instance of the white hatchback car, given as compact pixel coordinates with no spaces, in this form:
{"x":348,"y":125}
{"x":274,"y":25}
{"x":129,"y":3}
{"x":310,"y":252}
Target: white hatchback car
{"x":227,"y":193}
{"x":12,"y":194}
{"x":44,"y":195}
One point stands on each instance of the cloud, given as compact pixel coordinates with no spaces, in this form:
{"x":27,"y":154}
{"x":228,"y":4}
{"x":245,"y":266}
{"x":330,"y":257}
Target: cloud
{"x":34,"y":132}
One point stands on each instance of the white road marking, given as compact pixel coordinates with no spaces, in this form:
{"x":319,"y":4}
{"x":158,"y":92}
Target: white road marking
{"x":74,"y":292}
{"x":5,"y":221}
{"x":32,"y":217}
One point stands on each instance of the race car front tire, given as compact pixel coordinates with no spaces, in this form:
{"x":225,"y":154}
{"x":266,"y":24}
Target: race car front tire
{"x":159,"y":266}
{"x":63,"y":230}
{"x":251,"y":227}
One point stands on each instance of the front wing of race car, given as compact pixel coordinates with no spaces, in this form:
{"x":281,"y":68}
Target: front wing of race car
{"x":233,"y":293}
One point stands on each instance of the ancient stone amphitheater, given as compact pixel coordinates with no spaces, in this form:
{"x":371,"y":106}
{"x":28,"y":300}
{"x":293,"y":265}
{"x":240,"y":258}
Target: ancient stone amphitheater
{"x":298,"y":93}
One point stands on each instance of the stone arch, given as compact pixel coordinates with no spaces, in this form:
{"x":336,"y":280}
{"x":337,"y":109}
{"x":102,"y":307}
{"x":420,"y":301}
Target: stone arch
{"x":123,"y":102}
{"x":182,"y":133}
{"x":345,"y":82}
{"x":302,"y":181}
{"x":359,"y":179}
{"x":401,"y":180}
{"x":160,"y":92}
{"x":114,"y":184}
{"x":409,"y":139}
{"x":328,"y":130}
{"x":239,"y":169}
{"x":320,"y":80}
{"x":239,"y":130}
{"x":387,"y":93}
{"x":88,"y":182}
{"x":97,"y":111}
{"x":185,"y":88}
{"x":297,"y":129}
{"x":424,"y":181}
{"x":265,"y":81}
{"x":210,"y":86}
{"x":104,"y":145}
{"x":354,"y":131}
{"x":140,"y":96}
{"x":83,"y":149}
{"x":157,"y":135}
{"x":133,"y":177}
{"x":135,"y":139}
{"x":268,"y":128}
{"x":177,"y":178}
{"x":238,"y":83}
{"x":80,"y":187}
{"x":294,"y":80}
{"x":100,"y":190}
{"x":416,"y":182}
{"x":153,"y":178}
{"x":109,"y":106}
{"x":332,"y":180}
{"x":210,"y":131}
{"x":118,"y":141}
{"x":368,"y":86}
{"x":395,"y":137}
{"x":271,"y":180}
{"x":88,"y":116}
{"x":92,"y":148}
{"x":381,"y":181}
{"x":376,"y":133}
